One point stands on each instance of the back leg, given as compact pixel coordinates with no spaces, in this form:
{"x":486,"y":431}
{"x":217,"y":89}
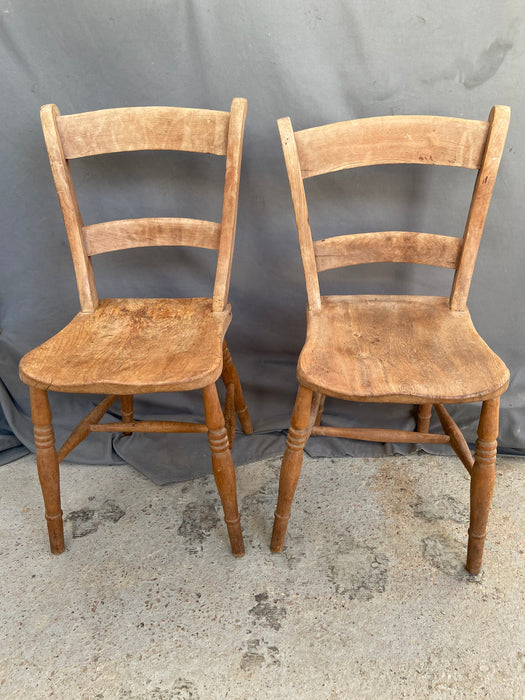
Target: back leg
{"x":126,"y":404}
{"x":47,"y":465}
{"x":230,"y":376}
{"x":423,"y":417}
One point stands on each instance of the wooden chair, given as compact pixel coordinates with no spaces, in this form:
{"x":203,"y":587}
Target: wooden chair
{"x":400,"y":349}
{"x":123,"y":347}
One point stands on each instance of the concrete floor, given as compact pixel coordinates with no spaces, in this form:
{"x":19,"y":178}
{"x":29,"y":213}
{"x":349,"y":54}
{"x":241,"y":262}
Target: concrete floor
{"x":368,"y":600}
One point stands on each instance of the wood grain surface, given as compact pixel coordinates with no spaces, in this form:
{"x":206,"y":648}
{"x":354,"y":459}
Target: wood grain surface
{"x":403,"y":349}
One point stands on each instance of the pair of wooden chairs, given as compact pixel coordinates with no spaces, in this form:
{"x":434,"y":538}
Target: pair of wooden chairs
{"x":386,"y":349}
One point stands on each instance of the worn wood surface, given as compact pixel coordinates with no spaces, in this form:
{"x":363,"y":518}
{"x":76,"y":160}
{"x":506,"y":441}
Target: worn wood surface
{"x":82,"y":430}
{"x":293,"y":168}
{"x":387,"y":246}
{"x":482,"y":482}
{"x":397,"y":139}
{"x":136,"y":346}
{"x":230,"y":203}
{"x":144,"y":129}
{"x":298,"y":434}
{"x":499,"y":124}
{"x":137,"y":233}
{"x":404,"y":349}
{"x":223,"y":469}
{"x":67,"y":198}
{"x":149,"y":426}
{"x":457,"y":441}
{"x":132,"y":346}
{"x":381,"y":435}
{"x":48,"y":469}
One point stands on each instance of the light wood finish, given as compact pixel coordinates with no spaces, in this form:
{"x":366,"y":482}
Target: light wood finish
{"x":293,"y":168}
{"x":124,"y":347}
{"x":387,"y":246}
{"x":67,"y":198}
{"x":298,"y":435}
{"x":457,"y":441}
{"x":482,"y":482}
{"x":499,"y":125}
{"x":137,"y":233}
{"x":230,"y":376}
{"x":223,"y":469}
{"x":126,"y":404}
{"x":399,"y":139}
{"x":149,"y":426}
{"x":320,"y":411}
{"x":82,"y":430}
{"x":144,"y":129}
{"x":424,"y":414}
{"x":399,"y":349}
{"x":132,"y":345}
{"x":230,"y":202}
{"x":47,"y":465}
{"x":380,"y":435}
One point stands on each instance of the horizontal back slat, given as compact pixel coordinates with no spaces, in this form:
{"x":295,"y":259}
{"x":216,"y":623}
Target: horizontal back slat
{"x":397,"y":139}
{"x":137,"y":233}
{"x":387,"y":246}
{"x":143,"y":128}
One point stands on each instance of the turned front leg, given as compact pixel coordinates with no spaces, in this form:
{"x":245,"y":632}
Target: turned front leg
{"x":47,"y":465}
{"x":291,"y":466}
{"x":223,"y":468}
{"x":482,"y":482}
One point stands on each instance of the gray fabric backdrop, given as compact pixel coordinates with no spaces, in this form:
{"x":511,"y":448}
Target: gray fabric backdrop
{"x":316,"y":62}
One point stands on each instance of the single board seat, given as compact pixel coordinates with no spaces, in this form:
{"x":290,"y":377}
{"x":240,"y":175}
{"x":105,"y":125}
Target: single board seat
{"x":402,"y":349}
{"x":133,"y":346}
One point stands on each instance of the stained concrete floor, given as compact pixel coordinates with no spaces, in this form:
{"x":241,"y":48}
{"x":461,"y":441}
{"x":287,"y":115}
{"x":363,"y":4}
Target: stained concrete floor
{"x":368,"y":600}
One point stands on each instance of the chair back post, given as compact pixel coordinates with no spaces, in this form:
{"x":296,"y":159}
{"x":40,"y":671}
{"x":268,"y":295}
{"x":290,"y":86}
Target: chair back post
{"x":87,"y":290}
{"x":295,"y":178}
{"x":498,"y":126}
{"x":230,"y":202}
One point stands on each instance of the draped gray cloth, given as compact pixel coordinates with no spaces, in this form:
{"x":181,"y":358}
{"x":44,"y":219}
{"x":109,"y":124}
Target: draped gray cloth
{"x":316,"y":62}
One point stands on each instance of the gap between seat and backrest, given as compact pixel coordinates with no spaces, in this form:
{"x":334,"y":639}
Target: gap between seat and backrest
{"x":145,"y":128}
{"x":425,"y":140}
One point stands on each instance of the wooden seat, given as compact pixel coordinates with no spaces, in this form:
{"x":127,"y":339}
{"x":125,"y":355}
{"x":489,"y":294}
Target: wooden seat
{"x":123,"y":347}
{"x":398,"y":349}
{"x":146,"y":345}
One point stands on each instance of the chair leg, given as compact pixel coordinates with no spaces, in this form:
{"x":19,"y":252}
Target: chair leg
{"x":126,"y":405}
{"x":230,"y":376}
{"x":482,"y":482}
{"x":291,"y":466}
{"x":423,"y":417}
{"x":223,"y":468}
{"x":47,"y":465}
{"x":320,"y":410}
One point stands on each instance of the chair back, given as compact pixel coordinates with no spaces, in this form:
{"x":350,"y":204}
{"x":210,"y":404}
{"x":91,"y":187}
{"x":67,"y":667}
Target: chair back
{"x":136,"y":129}
{"x":425,"y":140}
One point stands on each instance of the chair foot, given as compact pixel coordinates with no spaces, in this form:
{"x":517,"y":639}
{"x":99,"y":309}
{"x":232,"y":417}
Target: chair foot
{"x":48,"y":468}
{"x":223,"y":468}
{"x":482,"y":483}
{"x":230,"y":376}
{"x":291,"y":466}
